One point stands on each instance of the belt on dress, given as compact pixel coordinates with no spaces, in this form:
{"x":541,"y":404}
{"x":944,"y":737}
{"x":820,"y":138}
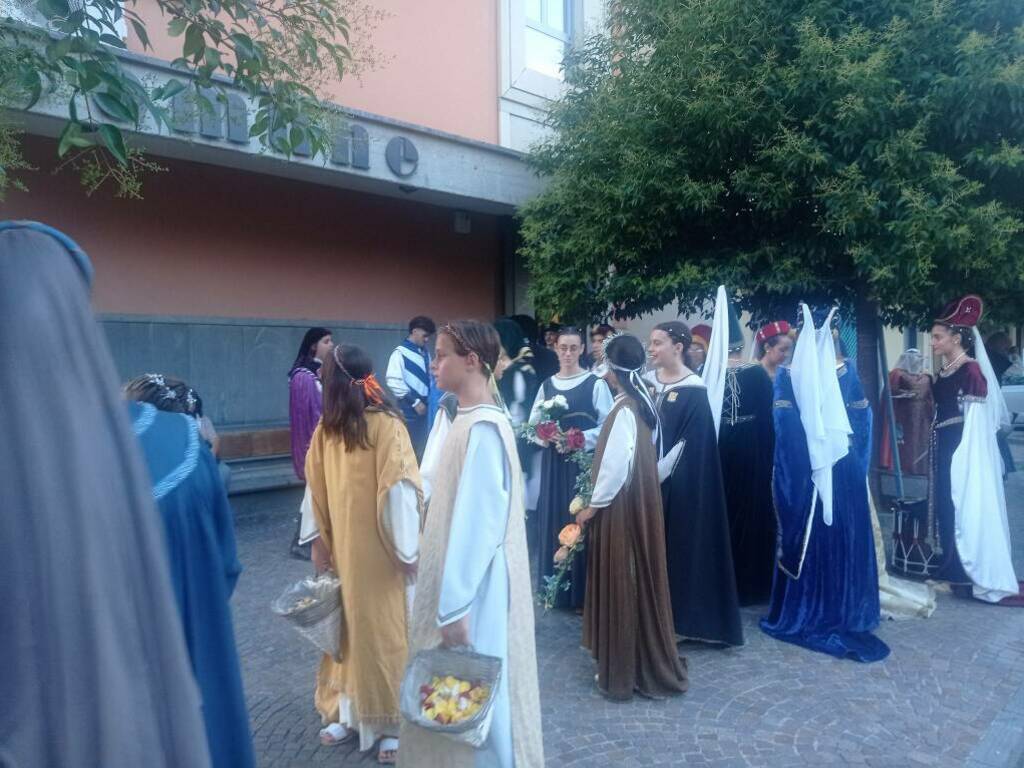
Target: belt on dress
{"x":733,"y":421}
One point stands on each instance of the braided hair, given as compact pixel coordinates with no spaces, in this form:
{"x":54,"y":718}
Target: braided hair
{"x":481,"y":339}
{"x":166,"y":393}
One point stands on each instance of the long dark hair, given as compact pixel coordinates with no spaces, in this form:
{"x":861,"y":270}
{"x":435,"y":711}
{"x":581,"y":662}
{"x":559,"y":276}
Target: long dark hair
{"x":529,"y":326}
{"x":304,"y":358}
{"x":679,"y":333}
{"x":347,"y":377}
{"x":626,"y":355}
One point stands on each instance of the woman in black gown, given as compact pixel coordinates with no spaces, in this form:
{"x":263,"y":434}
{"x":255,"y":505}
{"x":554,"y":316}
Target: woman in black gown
{"x":588,"y":400}
{"x":700,"y":569}
{"x":746,"y":445}
{"x":968,"y":500}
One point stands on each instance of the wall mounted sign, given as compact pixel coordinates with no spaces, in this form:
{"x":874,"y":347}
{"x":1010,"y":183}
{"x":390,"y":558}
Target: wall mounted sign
{"x":402,"y":157}
{"x":229,"y":121}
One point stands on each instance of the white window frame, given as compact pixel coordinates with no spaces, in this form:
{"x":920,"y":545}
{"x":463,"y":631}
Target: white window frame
{"x":565,"y":35}
{"x":524,"y":93}
{"x":519,"y":82}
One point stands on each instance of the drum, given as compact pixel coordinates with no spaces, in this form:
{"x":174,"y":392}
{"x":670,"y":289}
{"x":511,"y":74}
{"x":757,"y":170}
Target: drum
{"x":912,"y":555}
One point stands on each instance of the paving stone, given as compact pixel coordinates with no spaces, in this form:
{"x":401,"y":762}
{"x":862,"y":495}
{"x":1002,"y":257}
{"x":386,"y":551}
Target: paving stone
{"x":949,"y":684}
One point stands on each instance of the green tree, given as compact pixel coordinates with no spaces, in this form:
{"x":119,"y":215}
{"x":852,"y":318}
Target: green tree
{"x":280,"y":54}
{"x":861,"y":151}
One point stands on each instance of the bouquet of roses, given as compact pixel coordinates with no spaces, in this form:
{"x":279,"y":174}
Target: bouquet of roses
{"x":544,"y":427}
{"x":543,"y":423}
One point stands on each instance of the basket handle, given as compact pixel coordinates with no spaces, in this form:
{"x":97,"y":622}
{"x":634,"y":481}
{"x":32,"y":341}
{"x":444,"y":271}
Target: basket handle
{"x":468,"y":648}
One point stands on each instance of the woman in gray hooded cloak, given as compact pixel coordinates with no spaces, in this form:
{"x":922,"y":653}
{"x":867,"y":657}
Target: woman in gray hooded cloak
{"x":95,"y":666}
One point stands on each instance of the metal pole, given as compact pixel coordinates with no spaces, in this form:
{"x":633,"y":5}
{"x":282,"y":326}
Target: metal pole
{"x":890,"y":412}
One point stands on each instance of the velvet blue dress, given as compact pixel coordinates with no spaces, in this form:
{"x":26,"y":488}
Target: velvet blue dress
{"x":825,"y":591}
{"x":200,"y":538}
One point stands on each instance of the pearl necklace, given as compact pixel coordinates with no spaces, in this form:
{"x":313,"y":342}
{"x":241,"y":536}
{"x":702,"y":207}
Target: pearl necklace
{"x":954,"y":361}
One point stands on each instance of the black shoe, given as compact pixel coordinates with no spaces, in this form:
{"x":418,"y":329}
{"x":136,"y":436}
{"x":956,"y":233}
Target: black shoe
{"x":300,"y":551}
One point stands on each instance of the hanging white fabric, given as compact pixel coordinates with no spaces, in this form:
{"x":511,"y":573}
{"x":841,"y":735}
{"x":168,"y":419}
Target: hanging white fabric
{"x":822,"y":412}
{"x":717,"y":362}
{"x":979,"y":500}
{"x":995,"y":404}
{"x":833,"y":409}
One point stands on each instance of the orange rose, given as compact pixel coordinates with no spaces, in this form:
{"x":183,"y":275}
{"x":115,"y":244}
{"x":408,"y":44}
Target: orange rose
{"x":561,"y":554}
{"x":569,"y":535}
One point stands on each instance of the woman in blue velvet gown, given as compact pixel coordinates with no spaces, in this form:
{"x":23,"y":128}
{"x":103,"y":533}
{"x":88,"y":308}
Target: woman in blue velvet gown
{"x":825,"y":593}
{"x":200,"y":538}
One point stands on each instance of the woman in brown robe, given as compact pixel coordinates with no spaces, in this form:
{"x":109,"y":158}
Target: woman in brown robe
{"x":627,"y":613}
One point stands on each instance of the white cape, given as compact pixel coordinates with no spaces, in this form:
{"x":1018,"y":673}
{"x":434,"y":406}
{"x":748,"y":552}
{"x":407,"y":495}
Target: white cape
{"x":976,"y":476}
{"x":716,"y":366}
{"x":982,"y":530}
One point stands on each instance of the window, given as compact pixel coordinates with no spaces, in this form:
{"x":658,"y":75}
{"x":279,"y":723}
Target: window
{"x":547,"y":35}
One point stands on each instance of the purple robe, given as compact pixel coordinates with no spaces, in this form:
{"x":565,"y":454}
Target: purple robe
{"x":305,"y":405}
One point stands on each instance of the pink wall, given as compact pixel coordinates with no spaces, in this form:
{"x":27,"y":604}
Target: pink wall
{"x":212,"y":241}
{"x":439,"y":64}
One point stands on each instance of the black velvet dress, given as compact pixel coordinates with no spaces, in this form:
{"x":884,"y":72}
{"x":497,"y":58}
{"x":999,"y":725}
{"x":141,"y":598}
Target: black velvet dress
{"x":557,"y":488}
{"x":701,"y":578}
{"x":746,"y":446}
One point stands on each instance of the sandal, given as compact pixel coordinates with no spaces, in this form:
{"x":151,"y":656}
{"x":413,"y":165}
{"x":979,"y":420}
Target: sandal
{"x":387,"y":752}
{"x":335,"y":734}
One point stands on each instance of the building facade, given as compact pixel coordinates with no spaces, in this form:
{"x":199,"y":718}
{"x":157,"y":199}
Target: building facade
{"x":235,"y":250}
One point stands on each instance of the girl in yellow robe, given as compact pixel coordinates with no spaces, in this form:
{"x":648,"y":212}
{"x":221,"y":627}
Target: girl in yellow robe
{"x":365,"y":487}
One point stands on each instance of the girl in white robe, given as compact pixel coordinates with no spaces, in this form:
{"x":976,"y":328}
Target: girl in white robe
{"x":473,"y":584}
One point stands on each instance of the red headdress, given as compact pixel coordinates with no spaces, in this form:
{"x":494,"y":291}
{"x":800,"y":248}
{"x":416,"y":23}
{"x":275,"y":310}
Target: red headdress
{"x":701,"y":335}
{"x":964,"y":312}
{"x":770,"y":331}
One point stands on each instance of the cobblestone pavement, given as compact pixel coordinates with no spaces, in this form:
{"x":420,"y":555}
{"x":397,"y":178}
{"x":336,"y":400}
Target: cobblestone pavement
{"x":950,"y":694}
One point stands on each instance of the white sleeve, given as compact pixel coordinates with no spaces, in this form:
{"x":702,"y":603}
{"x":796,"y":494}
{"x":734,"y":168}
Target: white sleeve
{"x":402,"y":520}
{"x":537,"y":400}
{"x":617,"y":461}
{"x":432,"y":452}
{"x":667,"y":464}
{"x":517,"y":408}
{"x":603,"y":402}
{"x":395,"y":376}
{"x":479,"y":522}
{"x":535,"y":409}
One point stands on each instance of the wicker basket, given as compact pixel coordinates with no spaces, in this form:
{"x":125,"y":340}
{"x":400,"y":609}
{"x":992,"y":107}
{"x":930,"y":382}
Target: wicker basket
{"x":465,"y":665}
{"x":322,"y":622}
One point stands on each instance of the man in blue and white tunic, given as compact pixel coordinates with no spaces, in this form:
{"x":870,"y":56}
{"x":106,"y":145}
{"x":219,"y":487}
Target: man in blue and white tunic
{"x":410,"y":381}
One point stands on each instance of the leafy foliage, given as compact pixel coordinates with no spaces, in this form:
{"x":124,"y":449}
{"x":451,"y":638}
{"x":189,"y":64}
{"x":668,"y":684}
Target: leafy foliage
{"x":822,"y":150}
{"x":281,"y":54}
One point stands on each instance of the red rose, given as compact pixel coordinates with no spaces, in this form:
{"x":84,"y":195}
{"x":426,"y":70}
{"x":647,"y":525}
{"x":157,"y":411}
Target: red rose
{"x":575,"y":440}
{"x":547,"y":430}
